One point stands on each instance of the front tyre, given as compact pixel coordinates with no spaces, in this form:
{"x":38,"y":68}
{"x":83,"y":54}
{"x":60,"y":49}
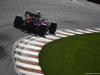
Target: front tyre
{"x":52,"y":28}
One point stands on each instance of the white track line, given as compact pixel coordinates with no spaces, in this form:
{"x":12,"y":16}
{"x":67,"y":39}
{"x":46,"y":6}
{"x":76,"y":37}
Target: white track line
{"x":97,"y":28}
{"x":27,"y":52}
{"x":52,"y":37}
{"x":21,"y":44}
{"x":26,"y":40}
{"x":28,"y":65}
{"x":33,"y":37}
{"x":37,"y":43}
{"x":61,"y":35}
{"x":74,"y":32}
{"x":32,"y":47}
{"x":65,"y":33}
{"x":29,"y":46}
{"x":43,"y":39}
{"x":29,"y":73}
{"x":26,"y":58}
{"x":91,"y":30}
{"x":83,"y":31}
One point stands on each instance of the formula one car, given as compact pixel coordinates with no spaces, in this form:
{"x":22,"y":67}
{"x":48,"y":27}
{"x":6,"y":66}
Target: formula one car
{"x":33,"y":23}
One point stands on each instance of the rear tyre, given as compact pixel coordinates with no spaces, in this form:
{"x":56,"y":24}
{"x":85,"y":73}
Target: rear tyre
{"x":42,"y":30}
{"x":18,"y":22}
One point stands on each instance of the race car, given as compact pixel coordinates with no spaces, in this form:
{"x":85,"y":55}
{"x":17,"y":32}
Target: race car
{"x":35,"y":24}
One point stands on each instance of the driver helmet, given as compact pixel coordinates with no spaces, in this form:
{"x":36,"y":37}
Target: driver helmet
{"x":39,"y":12}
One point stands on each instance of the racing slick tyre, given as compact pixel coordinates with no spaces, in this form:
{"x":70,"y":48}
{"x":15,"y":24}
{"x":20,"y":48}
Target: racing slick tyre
{"x":42,"y":30}
{"x":52,"y":28}
{"x":18,"y":22}
{"x":32,"y":28}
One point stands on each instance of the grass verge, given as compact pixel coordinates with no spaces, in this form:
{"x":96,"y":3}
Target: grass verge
{"x":74,"y":55}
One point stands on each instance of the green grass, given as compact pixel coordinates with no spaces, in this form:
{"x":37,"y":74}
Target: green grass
{"x":74,"y":55}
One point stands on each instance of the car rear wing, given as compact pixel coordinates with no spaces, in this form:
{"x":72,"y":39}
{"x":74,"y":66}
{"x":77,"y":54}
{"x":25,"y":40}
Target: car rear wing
{"x":31,"y":14}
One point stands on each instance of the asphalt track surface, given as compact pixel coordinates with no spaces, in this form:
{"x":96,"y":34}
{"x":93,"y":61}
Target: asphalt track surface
{"x":68,"y":15}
